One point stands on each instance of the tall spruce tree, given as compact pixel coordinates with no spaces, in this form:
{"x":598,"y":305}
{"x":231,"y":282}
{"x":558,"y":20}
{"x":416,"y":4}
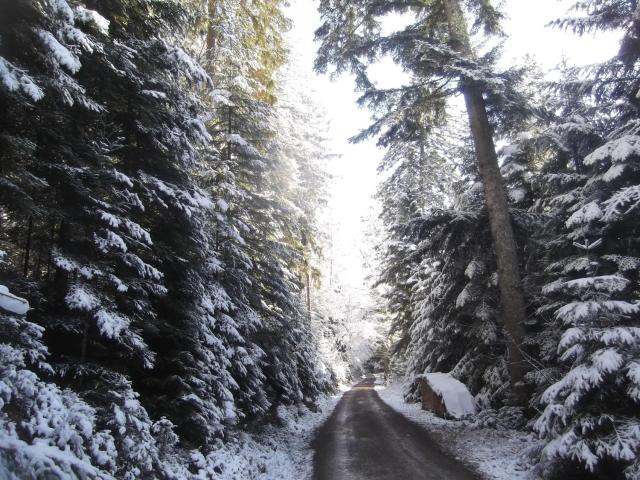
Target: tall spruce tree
{"x":588,"y":421}
{"x":120,"y":202}
{"x":436,"y":49}
{"x":146,"y":217}
{"x":264,"y":152}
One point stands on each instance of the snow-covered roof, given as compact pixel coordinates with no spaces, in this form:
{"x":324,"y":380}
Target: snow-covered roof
{"x":11,"y":303}
{"x":456,"y":397}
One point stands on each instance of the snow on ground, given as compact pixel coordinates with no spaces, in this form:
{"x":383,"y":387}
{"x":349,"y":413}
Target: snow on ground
{"x":278,"y":453}
{"x":495,"y":454}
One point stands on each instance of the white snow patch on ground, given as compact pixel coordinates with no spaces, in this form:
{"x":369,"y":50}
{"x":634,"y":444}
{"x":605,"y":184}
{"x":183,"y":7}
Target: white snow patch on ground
{"x":279,"y":452}
{"x":495,"y":454}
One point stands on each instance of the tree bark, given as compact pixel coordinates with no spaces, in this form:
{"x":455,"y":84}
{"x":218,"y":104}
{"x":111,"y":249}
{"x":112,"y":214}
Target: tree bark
{"x":309,"y":294}
{"x":27,"y":247}
{"x":212,"y":35}
{"x":504,"y":244}
{"x":52,"y":239}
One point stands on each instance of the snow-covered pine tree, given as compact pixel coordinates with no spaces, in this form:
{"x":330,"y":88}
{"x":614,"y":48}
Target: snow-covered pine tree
{"x":227,"y":295}
{"x":454,"y":297}
{"x":416,"y":185}
{"x":263,"y":231}
{"x":301,"y":144}
{"x":438,"y":276}
{"x":447,"y":314}
{"x":122,"y":216}
{"x":436,"y":49}
{"x":589,"y":421}
{"x":558,"y":150}
{"x":157,"y":297}
{"x":272,"y":234}
{"x":165,"y":139}
{"x":44,"y":430}
{"x":80,"y":240}
{"x":588,"y":417}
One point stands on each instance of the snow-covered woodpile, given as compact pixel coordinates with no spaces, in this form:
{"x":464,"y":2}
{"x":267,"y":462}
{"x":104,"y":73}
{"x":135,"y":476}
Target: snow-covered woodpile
{"x":445,"y":396}
{"x":11,"y":303}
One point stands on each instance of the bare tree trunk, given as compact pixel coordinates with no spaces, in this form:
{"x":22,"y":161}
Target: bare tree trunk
{"x":27,"y":247}
{"x":309,"y":294}
{"x":84,"y":342}
{"x":229,"y":131}
{"x":387,"y":363}
{"x":52,"y":239}
{"x":504,"y":244}
{"x":212,"y":35}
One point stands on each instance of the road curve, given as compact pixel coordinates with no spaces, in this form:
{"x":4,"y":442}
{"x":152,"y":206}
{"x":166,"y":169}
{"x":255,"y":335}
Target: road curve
{"x":365,"y":439}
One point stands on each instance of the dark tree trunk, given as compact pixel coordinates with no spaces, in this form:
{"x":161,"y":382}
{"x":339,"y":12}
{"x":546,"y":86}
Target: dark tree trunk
{"x":504,"y":244}
{"x":27,"y":247}
{"x":84,"y":342}
{"x":52,"y":239}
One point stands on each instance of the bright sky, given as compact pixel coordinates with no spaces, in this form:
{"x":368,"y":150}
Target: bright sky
{"x":355,"y":174}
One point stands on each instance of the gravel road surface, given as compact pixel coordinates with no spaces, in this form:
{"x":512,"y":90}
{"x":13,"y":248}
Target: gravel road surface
{"x":365,"y":439}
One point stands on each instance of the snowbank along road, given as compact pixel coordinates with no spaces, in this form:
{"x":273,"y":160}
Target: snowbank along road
{"x":365,"y":439}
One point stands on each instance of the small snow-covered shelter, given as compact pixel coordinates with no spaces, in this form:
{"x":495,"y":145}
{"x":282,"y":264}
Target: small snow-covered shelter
{"x":445,"y":396}
{"x":11,"y":303}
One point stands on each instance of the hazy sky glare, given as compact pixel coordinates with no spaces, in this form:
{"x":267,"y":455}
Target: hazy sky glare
{"x":354,"y":172}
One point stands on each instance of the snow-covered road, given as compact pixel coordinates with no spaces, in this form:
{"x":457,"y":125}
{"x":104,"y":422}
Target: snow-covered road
{"x":365,"y":439}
